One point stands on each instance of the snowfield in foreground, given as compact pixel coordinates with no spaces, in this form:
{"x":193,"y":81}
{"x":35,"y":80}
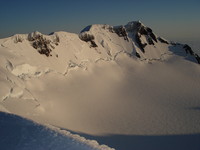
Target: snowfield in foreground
{"x":123,"y":86}
{"x":18,"y":133}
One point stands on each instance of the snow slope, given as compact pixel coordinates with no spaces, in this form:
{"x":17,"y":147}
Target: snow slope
{"x":121,"y":80}
{"x":18,"y":133}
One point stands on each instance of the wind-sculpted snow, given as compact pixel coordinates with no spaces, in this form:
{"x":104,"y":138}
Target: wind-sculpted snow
{"x":107,"y":80}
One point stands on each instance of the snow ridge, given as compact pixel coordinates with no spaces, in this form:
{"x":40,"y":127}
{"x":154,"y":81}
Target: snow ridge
{"x":32,"y":135}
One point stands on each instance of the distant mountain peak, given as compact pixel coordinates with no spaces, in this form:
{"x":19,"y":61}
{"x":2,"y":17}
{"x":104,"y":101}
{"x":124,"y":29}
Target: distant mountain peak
{"x":134,"y":38}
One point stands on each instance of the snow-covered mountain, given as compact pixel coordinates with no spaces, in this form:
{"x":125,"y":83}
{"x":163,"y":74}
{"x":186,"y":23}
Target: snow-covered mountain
{"x":107,"y":80}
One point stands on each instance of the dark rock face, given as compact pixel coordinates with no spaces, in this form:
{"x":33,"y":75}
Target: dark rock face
{"x":88,"y":38}
{"x":137,"y":55}
{"x":152,"y":35}
{"x":188,"y":49}
{"x":150,"y":41}
{"x":93,"y":44}
{"x":139,"y":42}
{"x":109,"y":28}
{"x":42,"y":45}
{"x":174,"y":43}
{"x":197,"y":58}
{"x":121,"y":32}
{"x":147,"y":32}
{"x":163,"y":40}
{"x":143,"y":31}
{"x":138,"y":30}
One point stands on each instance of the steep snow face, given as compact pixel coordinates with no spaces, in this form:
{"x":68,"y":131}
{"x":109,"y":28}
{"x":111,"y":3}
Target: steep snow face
{"x":121,"y":80}
{"x":107,"y":40}
{"x":134,"y":39}
{"x":21,"y":134}
{"x":151,"y":47}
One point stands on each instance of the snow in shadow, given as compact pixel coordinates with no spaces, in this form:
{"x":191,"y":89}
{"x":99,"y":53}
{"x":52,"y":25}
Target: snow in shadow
{"x":152,"y":142}
{"x":180,"y":50}
{"x":17,"y":133}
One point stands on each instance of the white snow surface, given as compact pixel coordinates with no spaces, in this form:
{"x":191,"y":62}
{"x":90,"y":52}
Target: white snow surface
{"x":101,"y":91}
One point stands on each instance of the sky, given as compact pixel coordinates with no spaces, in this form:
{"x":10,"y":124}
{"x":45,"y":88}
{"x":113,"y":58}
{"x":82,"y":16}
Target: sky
{"x":172,"y":19}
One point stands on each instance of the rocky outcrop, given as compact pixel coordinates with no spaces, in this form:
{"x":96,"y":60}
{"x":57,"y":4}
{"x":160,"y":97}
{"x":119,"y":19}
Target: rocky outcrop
{"x":152,"y":35}
{"x":109,"y":28}
{"x":188,"y":49}
{"x":93,"y":44}
{"x":41,"y":44}
{"x":137,"y":55}
{"x":84,"y":36}
{"x":138,"y":31}
{"x":138,"y":27}
{"x":197,"y":58}
{"x":148,"y":33}
{"x":121,"y":32}
{"x":150,"y":41}
{"x":139,"y":42}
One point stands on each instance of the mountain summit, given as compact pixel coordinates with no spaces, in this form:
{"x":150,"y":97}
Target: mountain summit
{"x":122,"y":81}
{"x":133,"y":38}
